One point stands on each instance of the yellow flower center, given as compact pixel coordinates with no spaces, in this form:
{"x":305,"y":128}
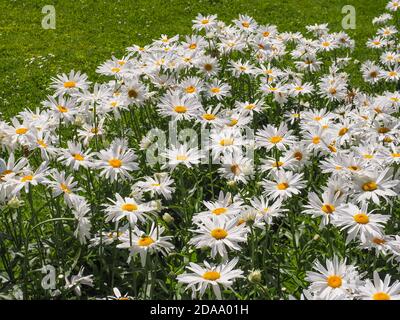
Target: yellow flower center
{"x":369,"y":186}
{"x":64,"y":188}
{"x":396,"y":155}
{"x":226,"y":142}
{"x":208,"y":116}
{"x":233,"y":122}
{"x":69,"y":84}
{"x":211,"y":275}
{"x":205,"y":21}
{"x":129,"y":207}
{"x":180,"y":109}
{"x":383,"y":130}
{"x":353,"y":168}
{"x":62,"y":109}
{"x":115,"y":70}
{"x":378,"y":241}
{"x":78,"y":157}
{"x":316,"y":140}
{"x":193,"y":46}
{"x":215,"y":90}
{"x":181,"y":157}
{"x":361,"y":218}
{"x":250,"y":107}
{"x":277,"y":164}
{"x":190,"y":89}
{"x":335,"y":281}
{"x":145,"y":241}
{"x":115,"y":163}
{"x":328,"y":208}
{"x":245,"y":24}
{"x":343,"y":131}
{"x":275,"y":139}
{"x":282,"y":186}
{"x":381,"y":296}
{"x":42,"y":143}
{"x":368,"y":156}
{"x":219,"y":233}
{"x":219,"y":211}
{"x":21,"y":130}
{"x":27,"y":178}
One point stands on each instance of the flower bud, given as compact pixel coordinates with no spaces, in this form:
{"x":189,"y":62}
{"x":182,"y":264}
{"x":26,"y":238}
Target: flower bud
{"x":168,"y":218}
{"x":15,"y":203}
{"x":255,"y":276}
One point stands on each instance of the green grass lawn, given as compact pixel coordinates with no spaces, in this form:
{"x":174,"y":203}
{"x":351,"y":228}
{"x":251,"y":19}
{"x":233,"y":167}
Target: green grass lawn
{"x":89,"y":31}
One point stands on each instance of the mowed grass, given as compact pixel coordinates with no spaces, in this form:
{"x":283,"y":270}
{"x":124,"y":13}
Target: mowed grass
{"x":88,"y":32}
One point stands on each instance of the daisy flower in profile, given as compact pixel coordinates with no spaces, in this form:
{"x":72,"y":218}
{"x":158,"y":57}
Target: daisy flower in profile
{"x":380,"y":290}
{"x":61,"y":108}
{"x":118,"y":295}
{"x":178,"y":106}
{"x":159,"y":184}
{"x":372,"y":185}
{"x":204,"y":22}
{"x":19,"y":132}
{"x":240,"y":67}
{"x":210,"y":117}
{"x":324,"y":208}
{"x":284,"y":184}
{"x":90,"y":130}
{"x":248,"y":107}
{"x":70,"y":84}
{"x":74,"y":157}
{"x":219,"y":235}
{"x":80,"y":209}
{"x":117,"y":160}
{"x":143,"y":243}
{"x":224,"y":208}
{"x":126,"y":207}
{"x":380,"y":244}
{"x":62,"y":184}
{"x":337,"y":278}
{"x":245,"y":23}
{"x":181,"y":154}
{"x":270,"y":137}
{"x":359,"y":222}
{"x":210,"y":275}
{"x":236,"y":167}
{"x":26,"y":178}
{"x":286,"y":162}
{"x":77,"y":281}
{"x":268,"y":211}
{"x":393,"y":5}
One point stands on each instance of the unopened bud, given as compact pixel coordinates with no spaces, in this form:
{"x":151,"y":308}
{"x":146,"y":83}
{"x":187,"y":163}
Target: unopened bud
{"x":254,"y":276}
{"x":168,"y":218}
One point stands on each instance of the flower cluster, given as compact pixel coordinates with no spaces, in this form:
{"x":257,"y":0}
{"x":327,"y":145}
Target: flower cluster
{"x":77,"y":188}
